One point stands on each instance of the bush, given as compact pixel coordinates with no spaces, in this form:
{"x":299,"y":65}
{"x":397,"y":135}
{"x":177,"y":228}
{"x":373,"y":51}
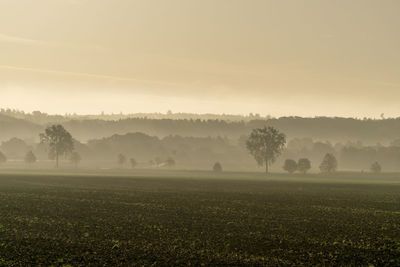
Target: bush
{"x":30,"y":157}
{"x":376,"y":167}
{"x":217,"y":167}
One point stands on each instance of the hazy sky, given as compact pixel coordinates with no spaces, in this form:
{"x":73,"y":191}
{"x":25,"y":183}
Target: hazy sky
{"x":338,"y":57}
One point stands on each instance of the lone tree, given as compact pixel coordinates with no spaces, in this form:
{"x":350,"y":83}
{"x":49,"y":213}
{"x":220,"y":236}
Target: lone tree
{"x":133,"y":163}
{"x":304,"y":165}
{"x":217,"y":167}
{"x":266,"y":144}
{"x":3,"y":158}
{"x":376,"y":167}
{"x":329,"y":164}
{"x":30,"y":157}
{"x":59,"y":141}
{"x":121,"y":159}
{"x":75,"y":159}
{"x":290,"y":166}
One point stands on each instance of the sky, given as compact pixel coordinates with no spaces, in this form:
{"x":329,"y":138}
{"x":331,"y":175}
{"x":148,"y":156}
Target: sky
{"x":276,"y":57}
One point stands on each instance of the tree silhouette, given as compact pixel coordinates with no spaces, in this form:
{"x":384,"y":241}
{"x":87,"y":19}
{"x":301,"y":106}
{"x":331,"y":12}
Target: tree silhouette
{"x":30,"y":157}
{"x":290,"y":166}
{"x":266,"y":144}
{"x":59,"y":141}
{"x":376,"y":167}
{"x":329,"y":163}
{"x":304,"y":165}
{"x":217,"y":167}
{"x":121,"y":159}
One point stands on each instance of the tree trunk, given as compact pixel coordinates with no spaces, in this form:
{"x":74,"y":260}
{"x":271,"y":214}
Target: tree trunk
{"x":56,"y":160}
{"x":266,"y":167}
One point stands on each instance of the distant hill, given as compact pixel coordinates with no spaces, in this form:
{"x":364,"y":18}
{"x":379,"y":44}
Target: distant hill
{"x":84,"y":128}
{"x":11,"y":127}
{"x":322,"y":128}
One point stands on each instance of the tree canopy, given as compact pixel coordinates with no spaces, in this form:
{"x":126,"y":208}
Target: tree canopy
{"x":303,"y":165}
{"x":59,"y":141}
{"x":30,"y":157}
{"x":265,"y":145}
{"x":217,"y":167}
{"x":329,"y":163}
{"x":290,"y":166}
{"x":376,"y":167}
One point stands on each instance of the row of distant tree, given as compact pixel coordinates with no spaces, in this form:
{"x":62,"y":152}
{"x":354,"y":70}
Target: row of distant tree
{"x":329,"y":164}
{"x":158,"y":162}
{"x":44,"y":118}
{"x":266,"y":145}
{"x":30,"y":158}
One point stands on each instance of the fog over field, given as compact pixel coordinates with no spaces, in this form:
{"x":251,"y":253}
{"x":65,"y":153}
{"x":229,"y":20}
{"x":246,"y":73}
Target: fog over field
{"x":199,"y":133}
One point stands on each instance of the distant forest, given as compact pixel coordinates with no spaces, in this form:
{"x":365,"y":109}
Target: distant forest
{"x":198,"y":143}
{"x":84,"y":128}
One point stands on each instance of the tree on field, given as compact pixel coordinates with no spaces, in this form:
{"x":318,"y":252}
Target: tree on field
{"x":304,"y":165}
{"x":15,"y":147}
{"x":121,"y":159}
{"x":59,"y":141}
{"x":3,"y":158}
{"x":30,"y":157}
{"x":290,"y":166}
{"x":329,"y":163}
{"x":170,"y":162}
{"x":75,"y":158}
{"x":133,"y":163}
{"x":266,"y":144}
{"x":217,"y":167}
{"x":376,"y":167}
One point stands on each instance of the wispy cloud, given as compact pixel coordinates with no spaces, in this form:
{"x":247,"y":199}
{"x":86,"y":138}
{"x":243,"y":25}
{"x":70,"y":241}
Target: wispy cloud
{"x":27,"y":41}
{"x":88,"y":75}
{"x":20,"y":40}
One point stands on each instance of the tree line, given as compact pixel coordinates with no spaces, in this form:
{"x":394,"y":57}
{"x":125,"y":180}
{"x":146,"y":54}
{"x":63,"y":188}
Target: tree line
{"x":83,"y":128}
{"x":144,"y":150}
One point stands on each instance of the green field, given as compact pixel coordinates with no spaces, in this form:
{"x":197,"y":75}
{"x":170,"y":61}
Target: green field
{"x":194,"y":218}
